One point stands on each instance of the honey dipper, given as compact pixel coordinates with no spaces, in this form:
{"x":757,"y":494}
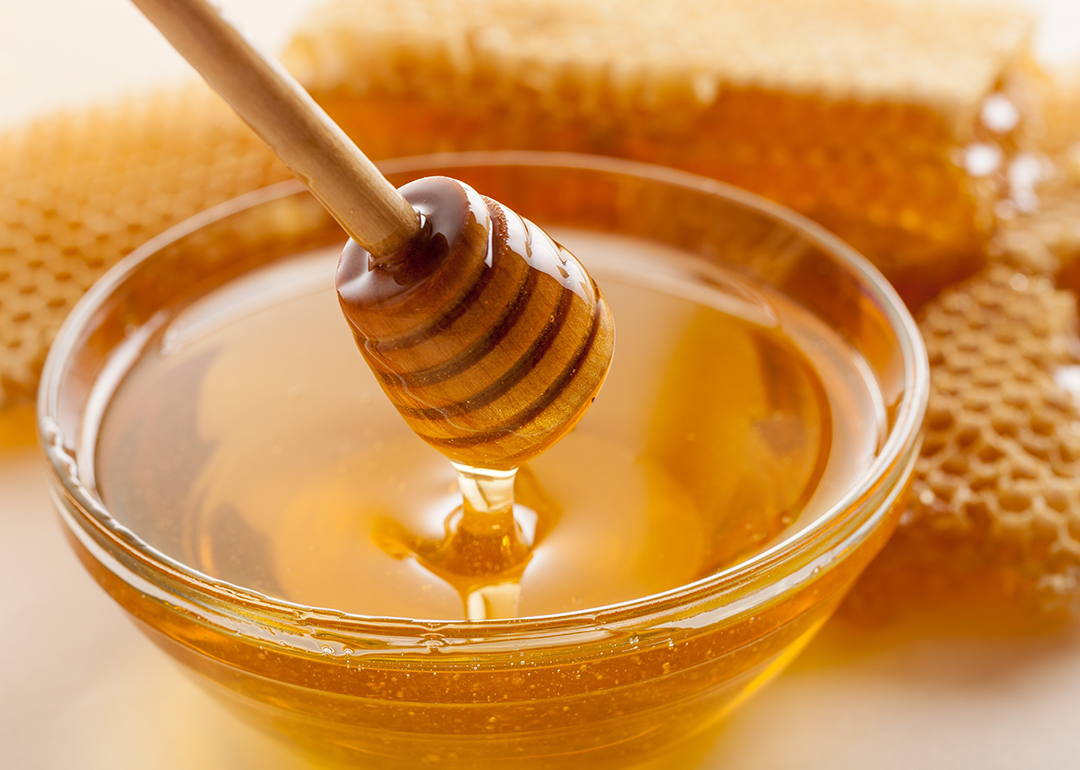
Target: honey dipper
{"x":490,"y":339}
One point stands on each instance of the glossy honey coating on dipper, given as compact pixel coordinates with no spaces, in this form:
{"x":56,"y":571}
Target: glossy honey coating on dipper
{"x":489,"y":338}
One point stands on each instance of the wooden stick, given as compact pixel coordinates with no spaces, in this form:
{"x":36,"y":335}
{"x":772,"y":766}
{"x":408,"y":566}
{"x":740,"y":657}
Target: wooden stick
{"x":289,"y":121}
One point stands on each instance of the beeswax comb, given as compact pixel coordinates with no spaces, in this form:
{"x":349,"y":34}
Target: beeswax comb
{"x":856,"y":120}
{"x":858,"y":113}
{"x":995,"y":515}
{"x":81,"y":189}
{"x":995,"y":509}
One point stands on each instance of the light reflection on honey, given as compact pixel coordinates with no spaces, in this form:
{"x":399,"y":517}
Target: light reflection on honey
{"x":252,"y":444}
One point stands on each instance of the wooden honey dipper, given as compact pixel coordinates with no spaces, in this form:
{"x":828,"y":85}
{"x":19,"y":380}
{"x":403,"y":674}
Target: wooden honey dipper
{"x":487,"y":335}
{"x":490,"y":338}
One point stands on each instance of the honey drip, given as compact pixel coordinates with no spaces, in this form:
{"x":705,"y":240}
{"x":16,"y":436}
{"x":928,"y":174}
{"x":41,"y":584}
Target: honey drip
{"x":485,"y":551}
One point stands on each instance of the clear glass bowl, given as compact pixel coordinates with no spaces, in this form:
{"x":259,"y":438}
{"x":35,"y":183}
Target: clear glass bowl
{"x":602,"y":687}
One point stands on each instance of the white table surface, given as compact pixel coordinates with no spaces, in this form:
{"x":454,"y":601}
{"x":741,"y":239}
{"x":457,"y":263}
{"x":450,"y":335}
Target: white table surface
{"x":104,"y":697}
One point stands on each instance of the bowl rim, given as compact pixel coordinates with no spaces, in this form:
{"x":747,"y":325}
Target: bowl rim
{"x":876,"y":488}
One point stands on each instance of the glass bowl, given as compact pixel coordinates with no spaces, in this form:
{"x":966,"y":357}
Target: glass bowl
{"x":601,"y":687}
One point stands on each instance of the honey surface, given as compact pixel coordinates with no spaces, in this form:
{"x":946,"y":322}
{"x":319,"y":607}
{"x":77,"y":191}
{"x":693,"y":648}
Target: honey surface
{"x":251,"y":443}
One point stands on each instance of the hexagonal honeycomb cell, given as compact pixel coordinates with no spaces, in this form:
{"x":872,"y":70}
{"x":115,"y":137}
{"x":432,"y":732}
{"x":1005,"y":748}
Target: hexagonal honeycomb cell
{"x":80,"y":190}
{"x":995,"y":506}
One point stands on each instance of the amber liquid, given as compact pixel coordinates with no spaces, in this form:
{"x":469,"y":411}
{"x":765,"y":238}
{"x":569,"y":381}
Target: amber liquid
{"x":250,"y":442}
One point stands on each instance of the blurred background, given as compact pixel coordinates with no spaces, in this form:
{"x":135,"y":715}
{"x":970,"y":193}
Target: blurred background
{"x":69,"y":53}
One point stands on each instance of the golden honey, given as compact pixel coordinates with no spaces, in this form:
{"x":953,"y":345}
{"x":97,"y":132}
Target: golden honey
{"x":229,"y":471}
{"x":251,"y":443}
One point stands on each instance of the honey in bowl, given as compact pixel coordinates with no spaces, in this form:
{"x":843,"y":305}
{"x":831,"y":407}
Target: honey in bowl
{"x":242,"y":487}
{"x":251,"y":442}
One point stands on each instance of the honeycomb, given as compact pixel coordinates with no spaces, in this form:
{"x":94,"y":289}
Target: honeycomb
{"x":861,"y":133}
{"x":1047,"y":235}
{"x":995,"y":512}
{"x":80,"y":190}
{"x":995,"y":506}
{"x":891,"y":141}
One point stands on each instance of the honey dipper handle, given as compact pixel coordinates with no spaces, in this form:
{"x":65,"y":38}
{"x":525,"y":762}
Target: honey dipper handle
{"x":295,"y":128}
